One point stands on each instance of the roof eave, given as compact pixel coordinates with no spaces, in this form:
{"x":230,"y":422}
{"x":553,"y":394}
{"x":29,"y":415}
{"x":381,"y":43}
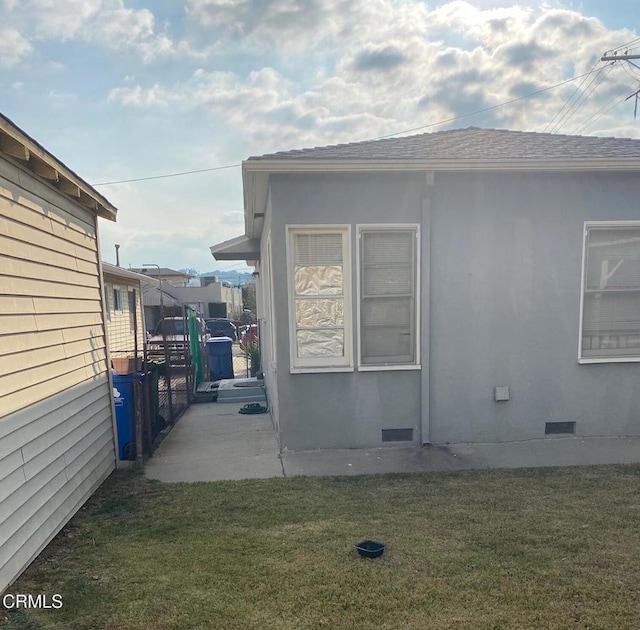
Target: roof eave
{"x":20,"y":148}
{"x":239,"y":248}
{"x":392,"y":165}
{"x":256,"y":172}
{"x":118,"y":272}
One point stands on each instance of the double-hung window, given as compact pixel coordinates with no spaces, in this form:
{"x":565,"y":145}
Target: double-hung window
{"x":319,"y":298}
{"x":388,"y":301}
{"x":610,"y":317}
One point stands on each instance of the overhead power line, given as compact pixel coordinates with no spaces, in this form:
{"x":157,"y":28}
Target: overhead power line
{"x":487,"y":109}
{"x":144,"y":179}
{"x":592,"y":86}
{"x":619,"y":97}
{"x":390,"y":135}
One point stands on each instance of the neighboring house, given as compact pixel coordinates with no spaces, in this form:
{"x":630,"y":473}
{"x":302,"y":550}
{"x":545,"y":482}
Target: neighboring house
{"x":215,"y":299}
{"x":157,"y":298}
{"x":125,"y":317}
{"x":56,"y":422}
{"x":211,"y":299}
{"x":173,"y":277}
{"x":464,"y":286}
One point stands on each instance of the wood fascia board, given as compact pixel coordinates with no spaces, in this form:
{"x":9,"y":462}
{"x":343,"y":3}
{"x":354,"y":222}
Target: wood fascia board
{"x":46,"y":164}
{"x":366,"y":165}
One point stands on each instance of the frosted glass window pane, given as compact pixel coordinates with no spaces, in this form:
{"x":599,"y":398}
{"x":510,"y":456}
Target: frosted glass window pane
{"x":314,"y":313}
{"x":320,"y":343}
{"x":318,"y":291}
{"x":316,"y":280}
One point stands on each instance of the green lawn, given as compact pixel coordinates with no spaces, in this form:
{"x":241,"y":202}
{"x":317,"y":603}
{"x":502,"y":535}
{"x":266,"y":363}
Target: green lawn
{"x":545,"y":548}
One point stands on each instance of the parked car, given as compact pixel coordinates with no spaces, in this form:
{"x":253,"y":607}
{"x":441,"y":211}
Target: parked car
{"x":250,"y":335}
{"x":176,"y":339}
{"x":221,"y":327}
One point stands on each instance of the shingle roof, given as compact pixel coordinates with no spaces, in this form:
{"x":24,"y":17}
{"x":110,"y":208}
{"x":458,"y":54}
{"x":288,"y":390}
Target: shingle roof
{"x":471,"y":144}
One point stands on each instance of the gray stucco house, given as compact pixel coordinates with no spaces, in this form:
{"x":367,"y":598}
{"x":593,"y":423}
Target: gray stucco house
{"x":463,"y":286}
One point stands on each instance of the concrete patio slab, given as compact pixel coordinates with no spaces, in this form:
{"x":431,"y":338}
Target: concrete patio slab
{"x":213,"y":442}
{"x":567,"y":451}
{"x":373,"y":461}
{"x":555,"y":451}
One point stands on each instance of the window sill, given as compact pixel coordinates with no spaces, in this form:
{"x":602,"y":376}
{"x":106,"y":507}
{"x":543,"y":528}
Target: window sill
{"x":319,"y":370}
{"x":609,"y":360}
{"x":387,"y":368}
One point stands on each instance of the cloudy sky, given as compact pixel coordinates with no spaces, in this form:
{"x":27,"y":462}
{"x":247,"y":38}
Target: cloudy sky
{"x":127,"y":89}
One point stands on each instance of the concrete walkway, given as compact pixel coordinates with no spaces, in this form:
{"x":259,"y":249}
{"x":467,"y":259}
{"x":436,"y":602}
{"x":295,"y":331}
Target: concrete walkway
{"x":213,"y":442}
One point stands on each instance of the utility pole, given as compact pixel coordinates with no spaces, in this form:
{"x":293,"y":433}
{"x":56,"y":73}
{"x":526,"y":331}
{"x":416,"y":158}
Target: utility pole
{"x":628,"y":58}
{"x":616,"y":57}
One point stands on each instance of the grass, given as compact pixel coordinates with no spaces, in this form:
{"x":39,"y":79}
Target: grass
{"x":544,"y":548}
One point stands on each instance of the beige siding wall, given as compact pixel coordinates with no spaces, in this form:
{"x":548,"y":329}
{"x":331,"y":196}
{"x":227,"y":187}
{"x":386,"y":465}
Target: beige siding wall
{"x":56,"y":435}
{"x":120,"y":323}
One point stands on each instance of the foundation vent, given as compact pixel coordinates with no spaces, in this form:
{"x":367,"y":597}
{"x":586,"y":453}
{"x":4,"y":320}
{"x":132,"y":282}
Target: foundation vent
{"x":397,"y":435}
{"x":560,"y":428}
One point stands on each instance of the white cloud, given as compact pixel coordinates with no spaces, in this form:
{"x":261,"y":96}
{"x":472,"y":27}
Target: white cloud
{"x":105,"y":23}
{"x":398,"y":65}
{"x":60,"y":19}
{"x":13,"y":47}
{"x":292,"y":25}
{"x":142,"y":98}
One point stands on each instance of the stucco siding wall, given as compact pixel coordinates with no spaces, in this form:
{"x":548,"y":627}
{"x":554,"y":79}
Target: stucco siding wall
{"x":340,"y":410}
{"x":506,"y":257}
{"x":56,"y":436}
{"x":268,"y":317}
{"x":504,"y":269}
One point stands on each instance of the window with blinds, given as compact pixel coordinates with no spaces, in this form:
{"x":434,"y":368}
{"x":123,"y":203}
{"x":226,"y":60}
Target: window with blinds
{"x":320,"y":297}
{"x":388,"y":304}
{"x":611,"y":292}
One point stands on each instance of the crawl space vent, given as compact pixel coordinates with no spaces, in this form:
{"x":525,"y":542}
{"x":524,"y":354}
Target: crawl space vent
{"x":397,"y":435}
{"x":558,"y":428}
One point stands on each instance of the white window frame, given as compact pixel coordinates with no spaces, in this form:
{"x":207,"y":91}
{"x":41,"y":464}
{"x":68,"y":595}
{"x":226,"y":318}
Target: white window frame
{"x":388,"y":227}
{"x":320,"y":364}
{"x":587,"y":225}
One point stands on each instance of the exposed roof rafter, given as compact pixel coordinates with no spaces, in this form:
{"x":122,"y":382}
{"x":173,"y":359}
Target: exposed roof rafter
{"x":27,"y":153}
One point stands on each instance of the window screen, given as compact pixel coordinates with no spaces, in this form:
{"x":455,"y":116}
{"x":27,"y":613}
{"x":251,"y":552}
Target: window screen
{"x":318,"y":282}
{"x":611,"y":301}
{"x":387,"y":296}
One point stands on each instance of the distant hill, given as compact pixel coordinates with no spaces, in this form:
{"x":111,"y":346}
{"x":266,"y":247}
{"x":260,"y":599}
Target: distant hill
{"x":232,"y":276}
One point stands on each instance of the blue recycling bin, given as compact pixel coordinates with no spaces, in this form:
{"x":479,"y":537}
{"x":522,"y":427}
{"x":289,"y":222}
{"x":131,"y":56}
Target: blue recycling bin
{"x":219,"y":351}
{"x":125,"y":414}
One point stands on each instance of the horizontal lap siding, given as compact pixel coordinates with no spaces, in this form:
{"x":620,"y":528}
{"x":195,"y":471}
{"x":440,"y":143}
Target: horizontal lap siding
{"x":120,"y":333}
{"x":56,"y":435}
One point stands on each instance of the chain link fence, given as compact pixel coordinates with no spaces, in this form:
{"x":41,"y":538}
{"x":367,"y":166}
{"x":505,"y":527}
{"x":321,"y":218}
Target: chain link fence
{"x":177,"y":350}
